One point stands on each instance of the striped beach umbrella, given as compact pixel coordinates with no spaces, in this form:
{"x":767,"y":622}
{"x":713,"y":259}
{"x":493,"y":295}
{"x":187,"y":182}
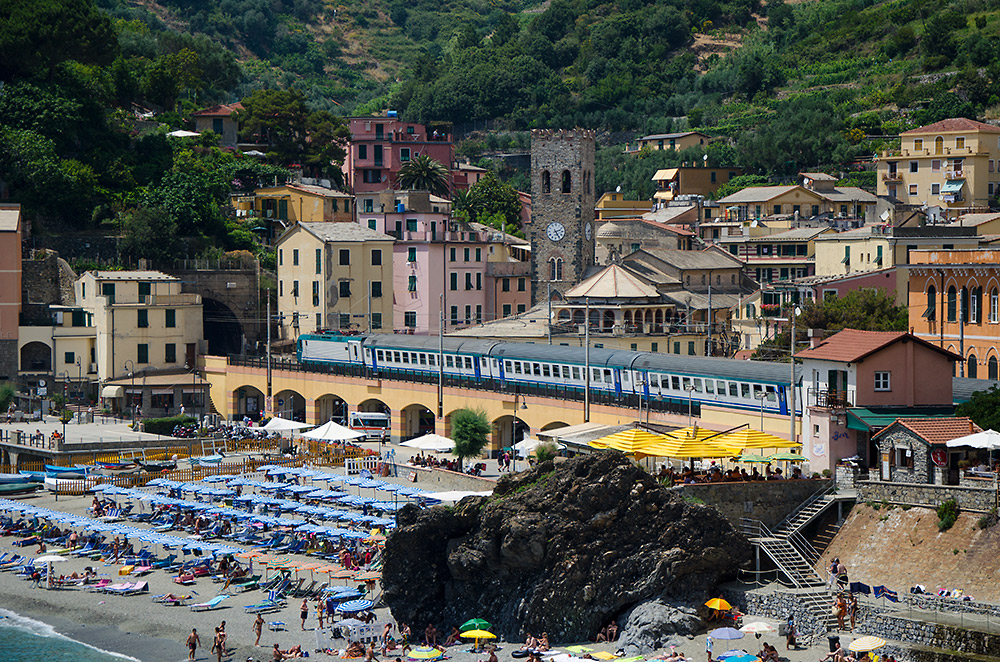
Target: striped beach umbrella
{"x":354,"y":606}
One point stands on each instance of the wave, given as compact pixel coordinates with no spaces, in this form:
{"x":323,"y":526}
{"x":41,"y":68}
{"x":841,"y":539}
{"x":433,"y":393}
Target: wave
{"x":38,"y":628}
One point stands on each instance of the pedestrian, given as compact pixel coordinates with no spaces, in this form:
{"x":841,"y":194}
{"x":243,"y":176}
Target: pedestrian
{"x":258,"y":627}
{"x":852,"y":608}
{"x":192,"y":643}
{"x":833,"y":574}
{"x":790,"y":634}
{"x":304,"y":612}
{"x":842,"y":580}
{"x":708,"y":647}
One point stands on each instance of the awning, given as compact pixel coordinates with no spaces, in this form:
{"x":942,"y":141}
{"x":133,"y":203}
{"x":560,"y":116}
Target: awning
{"x":866,"y":420}
{"x":113,"y":392}
{"x":952,"y":186}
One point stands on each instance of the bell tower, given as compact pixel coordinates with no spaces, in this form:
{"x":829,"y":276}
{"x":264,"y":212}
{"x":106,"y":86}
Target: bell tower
{"x":562,"y":209}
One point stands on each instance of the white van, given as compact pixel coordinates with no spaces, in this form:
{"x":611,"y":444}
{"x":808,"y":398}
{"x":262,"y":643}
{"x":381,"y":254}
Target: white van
{"x":373,"y":424}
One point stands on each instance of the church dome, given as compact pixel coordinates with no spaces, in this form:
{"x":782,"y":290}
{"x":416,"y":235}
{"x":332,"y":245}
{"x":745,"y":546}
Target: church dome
{"x":610,"y":231}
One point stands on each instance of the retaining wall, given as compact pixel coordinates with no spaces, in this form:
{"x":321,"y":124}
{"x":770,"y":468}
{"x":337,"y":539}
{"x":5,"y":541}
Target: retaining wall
{"x":969,"y":498}
{"x":768,"y":501}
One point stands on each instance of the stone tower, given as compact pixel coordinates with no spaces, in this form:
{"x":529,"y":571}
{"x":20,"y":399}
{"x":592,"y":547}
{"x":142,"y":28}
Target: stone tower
{"x":562,"y":209}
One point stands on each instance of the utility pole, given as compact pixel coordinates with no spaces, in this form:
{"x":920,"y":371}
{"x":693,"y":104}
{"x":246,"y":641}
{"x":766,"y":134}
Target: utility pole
{"x":267,"y":400}
{"x":441,"y":361}
{"x":709,"y":351}
{"x":791,"y":390}
{"x":586,"y":361}
{"x":961,"y":336}
{"x":548,"y":299}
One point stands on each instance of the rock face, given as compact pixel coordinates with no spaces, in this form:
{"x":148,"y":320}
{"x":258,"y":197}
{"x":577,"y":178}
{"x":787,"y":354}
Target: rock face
{"x":559,"y":549}
{"x":656,"y":624}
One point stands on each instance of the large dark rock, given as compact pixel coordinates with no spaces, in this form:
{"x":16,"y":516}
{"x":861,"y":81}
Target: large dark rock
{"x":559,"y":549}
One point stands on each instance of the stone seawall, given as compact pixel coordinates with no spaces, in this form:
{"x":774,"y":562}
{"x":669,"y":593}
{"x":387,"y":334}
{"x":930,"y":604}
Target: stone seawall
{"x":768,"y":501}
{"x":931,"y":496}
{"x":442,"y":480}
{"x":778,"y":605}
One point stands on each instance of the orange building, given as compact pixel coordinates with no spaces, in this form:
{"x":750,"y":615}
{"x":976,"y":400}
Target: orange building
{"x":954,"y":302}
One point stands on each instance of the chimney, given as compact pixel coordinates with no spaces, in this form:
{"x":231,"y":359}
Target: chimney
{"x":815,"y":337}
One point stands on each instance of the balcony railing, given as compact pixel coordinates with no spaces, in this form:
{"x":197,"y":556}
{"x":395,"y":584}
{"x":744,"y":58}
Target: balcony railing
{"x":831,"y":399}
{"x":954,"y":174}
{"x":892,"y":176}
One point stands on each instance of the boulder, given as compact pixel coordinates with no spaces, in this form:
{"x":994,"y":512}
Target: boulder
{"x":656,"y":624}
{"x":558,"y":549}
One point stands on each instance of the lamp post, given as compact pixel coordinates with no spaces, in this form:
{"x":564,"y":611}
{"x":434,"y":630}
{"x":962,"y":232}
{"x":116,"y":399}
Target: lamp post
{"x":641,"y":382}
{"x":131,"y":393}
{"x":762,"y":395}
{"x":513,"y":430}
{"x":79,"y":378}
{"x":690,"y":389}
{"x":62,"y":414}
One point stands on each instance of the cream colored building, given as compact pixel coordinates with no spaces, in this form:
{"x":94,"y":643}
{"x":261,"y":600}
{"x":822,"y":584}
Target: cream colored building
{"x":953,"y":164}
{"x":674,"y":182}
{"x":669,"y":141}
{"x":140,"y":319}
{"x":614,"y":205}
{"x":334,"y":276}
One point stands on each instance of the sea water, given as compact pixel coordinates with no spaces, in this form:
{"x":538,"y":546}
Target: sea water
{"x":24,"y":639}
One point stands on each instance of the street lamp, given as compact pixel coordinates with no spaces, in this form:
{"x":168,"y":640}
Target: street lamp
{"x":642,"y":382}
{"x":690,"y":389}
{"x":761,"y":395}
{"x":513,"y":430}
{"x":62,"y":414}
{"x":79,"y":379}
{"x":131,"y":393}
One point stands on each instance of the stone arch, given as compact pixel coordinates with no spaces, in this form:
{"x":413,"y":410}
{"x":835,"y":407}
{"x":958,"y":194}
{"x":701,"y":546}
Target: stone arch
{"x":546,"y":182}
{"x":289,"y":404}
{"x":578,"y":316}
{"x":415,"y":420}
{"x":331,"y":407}
{"x":554,"y":425}
{"x":508,"y":430}
{"x":608,"y":320}
{"x":36,"y":356}
{"x":249,"y":401}
{"x":991,"y":368}
{"x":563,"y":316}
{"x":971,"y":366}
{"x":567,"y":182}
{"x":374,"y":405}
{"x":221,"y":327}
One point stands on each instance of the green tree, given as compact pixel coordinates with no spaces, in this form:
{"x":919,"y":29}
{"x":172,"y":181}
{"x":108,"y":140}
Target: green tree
{"x":422,"y":173}
{"x":495,"y":203}
{"x":149,"y":233}
{"x":546,"y":451}
{"x":738,"y":183}
{"x":469,"y":428}
{"x":983,"y":407}
{"x":6,"y":396}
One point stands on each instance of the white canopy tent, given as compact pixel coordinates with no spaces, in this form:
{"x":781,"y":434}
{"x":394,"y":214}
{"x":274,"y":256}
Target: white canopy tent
{"x":431,"y":442}
{"x":525,"y":447}
{"x":330,"y":432}
{"x":989,"y":439}
{"x":183,"y":133}
{"x":278,"y":424}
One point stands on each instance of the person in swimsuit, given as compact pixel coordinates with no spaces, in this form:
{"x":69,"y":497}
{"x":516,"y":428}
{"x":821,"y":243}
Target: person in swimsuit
{"x":258,"y":627}
{"x":304,"y":612}
{"x":192,"y":642}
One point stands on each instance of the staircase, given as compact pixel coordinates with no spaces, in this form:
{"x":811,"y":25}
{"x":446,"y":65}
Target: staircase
{"x":788,"y":553}
{"x":812,"y":508}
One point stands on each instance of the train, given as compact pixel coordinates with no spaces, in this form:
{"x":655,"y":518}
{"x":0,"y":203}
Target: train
{"x":524,"y":367}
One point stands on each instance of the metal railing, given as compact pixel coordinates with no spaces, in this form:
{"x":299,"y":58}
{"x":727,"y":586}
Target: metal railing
{"x":816,"y":496}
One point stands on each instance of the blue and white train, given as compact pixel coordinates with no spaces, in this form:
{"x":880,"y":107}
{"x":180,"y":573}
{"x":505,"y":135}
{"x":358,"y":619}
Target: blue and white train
{"x":727,"y":383}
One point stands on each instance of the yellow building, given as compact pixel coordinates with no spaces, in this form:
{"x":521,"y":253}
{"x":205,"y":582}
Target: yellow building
{"x":65,"y":351}
{"x":140,"y":318}
{"x":278,"y":207}
{"x":669,"y":141}
{"x":953,"y":164}
{"x":985,"y":224}
{"x":614,"y":205}
{"x":819,"y":199}
{"x":334,"y":275}
{"x":779,"y":256}
{"x":673,"y":182}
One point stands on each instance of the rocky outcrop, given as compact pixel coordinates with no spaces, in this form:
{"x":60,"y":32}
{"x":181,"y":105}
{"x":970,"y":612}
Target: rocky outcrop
{"x":653,"y":625}
{"x":558,"y":549}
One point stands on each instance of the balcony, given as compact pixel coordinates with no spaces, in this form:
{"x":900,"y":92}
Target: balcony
{"x":954,"y":174}
{"x":892,"y":176}
{"x":830,"y":399}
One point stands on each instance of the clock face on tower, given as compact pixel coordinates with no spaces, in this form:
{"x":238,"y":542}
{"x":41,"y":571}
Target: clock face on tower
{"x":588,"y":231}
{"x":555,"y":231}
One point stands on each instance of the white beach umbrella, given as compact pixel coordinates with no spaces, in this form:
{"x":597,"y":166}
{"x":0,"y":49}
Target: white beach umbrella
{"x":431,"y":442}
{"x":278,"y":424}
{"x":986,"y":439}
{"x":330,"y":432}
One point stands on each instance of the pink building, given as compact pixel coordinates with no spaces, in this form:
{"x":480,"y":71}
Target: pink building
{"x":10,"y":288}
{"x":381,"y":145}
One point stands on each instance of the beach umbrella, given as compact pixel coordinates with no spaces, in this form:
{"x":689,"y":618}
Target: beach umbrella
{"x":758,"y":627}
{"x":477,"y":635}
{"x":719,"y":604}
{"x":353,"y":606}
{"x":744,"y":657}
{"x":725,"y":634}
{"x":751,"y":457}
{"x":787,"y":457}
{"x":865,"y":644}
{"x":369,"y":577}
{"x":746,"y":438}
{"x":431,"y":442}
{"x":729,"y":655}
{"x":631,"y":442}
{"x":424,"y":653}
{"x":475,"y":624}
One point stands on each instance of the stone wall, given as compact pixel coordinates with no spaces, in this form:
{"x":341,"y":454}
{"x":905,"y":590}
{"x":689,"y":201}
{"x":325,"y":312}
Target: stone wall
{"x":931,"y":496}
{"x":90,"y":247}
{"x":918,"y":467}
{"x":846,"y":475}
{"x":778,"y":605}
{"x":933,"y":635}
{"x":442,"y":480}
{"x":8,"y":360}
{"x":768,"y":501}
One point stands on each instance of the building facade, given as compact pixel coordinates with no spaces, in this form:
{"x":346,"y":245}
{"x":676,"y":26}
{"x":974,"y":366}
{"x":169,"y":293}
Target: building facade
{"x":669,"y":141}
{"x":381,"y":145}
{"x":279,"y":207}
{"x":614,"y":205}
{"x":219,"y":119}
{"x":623,"y":236}
{"x":562,"y":209}
{"x":335,"y":276}
{"x":674,"y":182}
{"x":10,"y":288}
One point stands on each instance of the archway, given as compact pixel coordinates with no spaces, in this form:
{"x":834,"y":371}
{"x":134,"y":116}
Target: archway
{"x":415,"y":420}
{"x":554,"y":425}
{"x":507,"y":431}
{"x":249,"y":402}
{"x":375,"y":405}
{"x":608,"y":320}
{"x":291,"y":405}
{"x":331,"y":407}
{"x":223,"y":331}
{"x":36,"y":357}
{"x":971,"y":366}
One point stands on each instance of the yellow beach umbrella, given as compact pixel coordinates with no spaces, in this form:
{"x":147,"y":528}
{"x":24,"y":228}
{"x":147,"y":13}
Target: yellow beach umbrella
{"x":693,"y":442}
{"x":477,"y":635}
{"x":746,"y":438}
{"x":718,"y":604}
{"x":865,"y":644}
{"x":635,"y":441}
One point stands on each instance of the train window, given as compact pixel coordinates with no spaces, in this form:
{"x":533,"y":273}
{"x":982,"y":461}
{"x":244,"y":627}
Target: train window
{"x":675,"y":383}
{"x":565,"y":372}
{"x":406,"y":357}
{"x":449,"y":361}
{"x":395,"y":357}
{"x":536,"y":369}
{"x":379,"y":355}
{"x":721,"y":387}
{"x":607,"y":377}
{"x":545,"y":370}
{"x":734,"y":390}
{"x":517,"y":367}
{"x":423,"y":359}
{"x":745,"y":391}
{"x":468,"y":363}
{"x":771,"y":394}
{"x":756,"y":391}
{"x":485,"y":363}
{"x":697,"y":386}
{"x":686,"y":381}
{"x":576,"y":373}
{"x":709,"y":386}
{"x":506,"y":366}
{"x":431,"y":360}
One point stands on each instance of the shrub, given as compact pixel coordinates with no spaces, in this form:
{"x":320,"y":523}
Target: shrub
{"x":165,"y":426}
{"x":988,"y":520}
{"x":6,"y":396}
{"x":545,"y":452}
{"x":947,"y":514}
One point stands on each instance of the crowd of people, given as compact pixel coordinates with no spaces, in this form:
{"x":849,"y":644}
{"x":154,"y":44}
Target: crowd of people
{"x":716,"y":474}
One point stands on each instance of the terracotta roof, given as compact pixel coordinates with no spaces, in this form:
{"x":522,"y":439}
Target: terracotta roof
{"x":221,"y":110}
{"x":954,"y":124}
{"x":937,"y":430}
{"x":852,"y":345}
{"x":613,"y":282}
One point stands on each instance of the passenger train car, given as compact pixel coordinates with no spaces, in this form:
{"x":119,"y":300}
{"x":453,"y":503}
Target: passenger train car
{"x":727,"y":383}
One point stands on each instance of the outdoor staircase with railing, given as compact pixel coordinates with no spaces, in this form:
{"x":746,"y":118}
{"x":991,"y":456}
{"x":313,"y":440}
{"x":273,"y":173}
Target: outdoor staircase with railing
{"x":787,"y":553}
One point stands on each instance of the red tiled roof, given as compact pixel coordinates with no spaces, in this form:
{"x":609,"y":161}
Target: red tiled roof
{"x":851,"y":345}
{"x":938,"y":430}
{"x":222,"y":110}
{"x":955,"y":124}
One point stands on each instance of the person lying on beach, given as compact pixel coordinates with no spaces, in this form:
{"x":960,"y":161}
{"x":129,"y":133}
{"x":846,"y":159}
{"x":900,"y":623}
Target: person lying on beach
{"x":602,"y":636}
{"x":768,"y":652}
{"x":836,"y":655}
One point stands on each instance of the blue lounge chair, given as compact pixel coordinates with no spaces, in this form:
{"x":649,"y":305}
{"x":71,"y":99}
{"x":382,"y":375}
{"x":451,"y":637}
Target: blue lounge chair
{"x":210,"y":605}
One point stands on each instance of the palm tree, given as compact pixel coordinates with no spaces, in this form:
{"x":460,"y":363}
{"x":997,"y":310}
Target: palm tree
{"x":424,"y":174}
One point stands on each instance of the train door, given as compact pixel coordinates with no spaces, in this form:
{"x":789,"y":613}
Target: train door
{"x":783,"y":400}
{"x":354,"y":351}
{"x":617,"y":376}
{"x":475,"y":367}
{"x":501,"y":371}
{"x":369,"y":357}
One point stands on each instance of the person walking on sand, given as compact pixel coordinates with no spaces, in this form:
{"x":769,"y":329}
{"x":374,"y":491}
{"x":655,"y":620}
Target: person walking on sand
{"x":708,"y":647}
{"x":258,"y":627}
{"x":193,"y":641}
{"x":304,"y":613}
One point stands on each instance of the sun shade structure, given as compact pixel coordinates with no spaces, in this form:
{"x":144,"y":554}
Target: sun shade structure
{"x":431,"y":442}
{"x":787,"y":457}
{"x":693,"y":442}
{"x":631,"y":442}
{"x":278,"y":424}
{"x":986,"y":439}
{"x":718,"y":603}
{"x":865,"y":644}
{"x":746,"y":438}
{"x":331,"y":431}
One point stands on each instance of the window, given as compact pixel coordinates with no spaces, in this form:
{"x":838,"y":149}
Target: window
{"x":410,"y":319}
{"x":404,"y":155}
{"x":935,"y":189}
{"x":295,"y":288}
{"x":108,"y":290}
{"x":913,"y":189}
{"x":69,"y":357}
{"x":479,"y":281}
{"x":918,"y":144}
{"x":555,"y":268}
{"x":465,"y":255}
{"x":520,"y":285}
{"x":991,"y":368}
{"x":411,"y":284}
{"x":566,"y":187}
{"x":952,"y":304}
{"x":171,"y":318}
{"x":546,"y":182}
{"x":882,"y":380}
{"x":451,"y":254}
{"x":295,"y":257}
{"x":960,"y":142}
{"x":319,"y":260}
{"x":345,"y":257}
{"x":142,"y":353}
{"x":411,"y":254}
{"x":914,"y":166}
{"x":654,"y":347}
{"x":505,"y":285}
{"x":931,"y":312}
{"x":454,"y":315}
{"x":170,"y":353}
{"x":468,"y":314}
{"x":281,"y":288}
{"x":520,"y":308}
{"x":677,"y":348}
{"x":143,"y":321}
{"x":145,"y":289}
{"x":468,"y":280}
{"x":994,"y":306}
{"x":975,"y":304}
{"x":506,"y":310}
{"x":777,"y":209}
{"x":479,"y":255}
{"x":362,"y":152}
{"x":411,"y":225}
{"x":479,"y":314}
{"x":971,"y":367}
{"x":936,"y":165}
{"x":691,"y":347}
{"x":372,"y":223}
{"x":345,"y":289}
{"x":713,"y":176}
{"x":376,"y":321}
{"x":315,"y":293}
{"x":343,"y":320}
{"x":368,"y":205}
{"x":376,"y":287}
{"x":454,"y":281}
{"x":376,"y":257}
